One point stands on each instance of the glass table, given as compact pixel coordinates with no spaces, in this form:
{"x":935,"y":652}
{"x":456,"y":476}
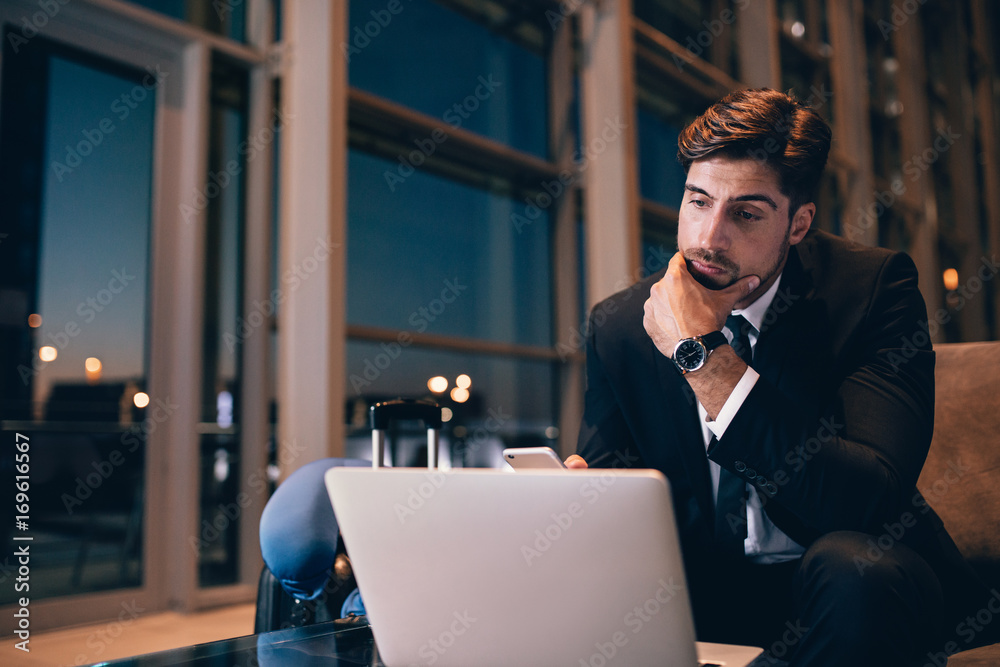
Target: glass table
{"x":328,"y":644}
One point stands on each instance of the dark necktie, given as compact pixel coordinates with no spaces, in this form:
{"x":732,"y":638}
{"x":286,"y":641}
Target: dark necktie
{"x":731,"y":503}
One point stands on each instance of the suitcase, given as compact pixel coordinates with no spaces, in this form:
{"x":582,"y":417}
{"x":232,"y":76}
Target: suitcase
{"x":276,"y":607}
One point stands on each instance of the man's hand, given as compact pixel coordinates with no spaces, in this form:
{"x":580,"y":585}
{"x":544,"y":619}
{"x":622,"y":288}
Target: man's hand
{"x":680,"y":307}
{"x":575,"y":461}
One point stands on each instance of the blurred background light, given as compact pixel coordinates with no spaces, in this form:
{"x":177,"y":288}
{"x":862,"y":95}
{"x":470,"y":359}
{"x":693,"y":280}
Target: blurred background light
{"x":93,"y":368}
{"x":141,"y":399}
{"x":950,"y":279}
{"x":438,"y":384}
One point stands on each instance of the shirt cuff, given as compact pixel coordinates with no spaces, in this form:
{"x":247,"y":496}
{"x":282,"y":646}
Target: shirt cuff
{"x":733,"y":403}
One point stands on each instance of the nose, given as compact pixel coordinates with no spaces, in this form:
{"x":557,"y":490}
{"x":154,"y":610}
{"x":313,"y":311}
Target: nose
{"x":714,"y":234}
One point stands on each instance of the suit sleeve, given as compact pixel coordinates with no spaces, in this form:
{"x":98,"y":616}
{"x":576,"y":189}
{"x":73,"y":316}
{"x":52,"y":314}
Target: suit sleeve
{"x":605,"y":440}
{"x":851,"y":460}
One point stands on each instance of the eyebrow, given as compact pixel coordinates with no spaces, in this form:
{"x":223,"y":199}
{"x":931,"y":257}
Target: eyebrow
{"x":754,"y":197}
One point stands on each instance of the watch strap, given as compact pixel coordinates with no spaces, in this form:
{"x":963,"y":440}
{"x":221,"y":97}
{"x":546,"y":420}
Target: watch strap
{"x":713,"y":340}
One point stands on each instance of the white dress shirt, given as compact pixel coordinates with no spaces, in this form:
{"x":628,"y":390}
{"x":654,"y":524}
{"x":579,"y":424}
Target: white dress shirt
{"x":765,"y":542}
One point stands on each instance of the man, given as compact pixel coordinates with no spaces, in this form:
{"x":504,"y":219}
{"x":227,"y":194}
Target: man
{"x":791,"y":448}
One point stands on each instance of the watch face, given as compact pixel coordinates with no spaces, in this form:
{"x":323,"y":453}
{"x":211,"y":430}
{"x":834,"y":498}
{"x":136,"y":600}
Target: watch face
{"x":689,"y":354}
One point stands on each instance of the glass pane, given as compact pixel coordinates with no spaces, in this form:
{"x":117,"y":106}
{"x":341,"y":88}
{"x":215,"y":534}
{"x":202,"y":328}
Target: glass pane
{"x":658,"y":246}
{"x":442,"y":64}
{"x":441,"y":257}
{"x":80,"y":226}
{"x":510,"y":402}
{"x":222,"y":17}
{"x":705,"y":28}
{"x":661,"y":177}
{"x":830,"y":209}
{"x":224,"y":329}
{"x":805,"y":19}
{"x":807,"y":79}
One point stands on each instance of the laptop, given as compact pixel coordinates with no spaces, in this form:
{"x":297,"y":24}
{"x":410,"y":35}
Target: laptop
{"x":539,"y":568}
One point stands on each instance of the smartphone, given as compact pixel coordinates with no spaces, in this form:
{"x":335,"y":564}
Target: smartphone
{"x":532,"y":458}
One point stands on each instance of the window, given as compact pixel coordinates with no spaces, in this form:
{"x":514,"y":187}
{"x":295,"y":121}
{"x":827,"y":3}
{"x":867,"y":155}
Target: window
{"x":222,"y":17}
{"x":450,"y":241}
{"x":74,"y":280}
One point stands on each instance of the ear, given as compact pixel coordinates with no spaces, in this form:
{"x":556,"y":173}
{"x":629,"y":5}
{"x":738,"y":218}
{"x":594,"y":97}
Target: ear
{"x":801,"y":222}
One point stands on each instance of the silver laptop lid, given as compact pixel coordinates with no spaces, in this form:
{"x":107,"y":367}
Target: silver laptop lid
{"x":484,"y":567}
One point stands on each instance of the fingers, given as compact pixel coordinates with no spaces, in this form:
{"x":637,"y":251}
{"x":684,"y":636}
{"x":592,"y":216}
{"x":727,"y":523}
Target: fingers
{"x":743,"y":287}
{"x":576,"y":461}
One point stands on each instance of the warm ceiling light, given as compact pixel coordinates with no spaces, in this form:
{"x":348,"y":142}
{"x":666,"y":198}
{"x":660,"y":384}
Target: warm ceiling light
{"x":34,"y":320}
{"x":141,"y":399}
{"x":438,"y":384}
{"x":93,"y":365}
{"x":47,"y":353}
{"x":463,"y":381}
{"x":459,"y":395}
{"x":950,"y":279}
{"x":446,"y":414}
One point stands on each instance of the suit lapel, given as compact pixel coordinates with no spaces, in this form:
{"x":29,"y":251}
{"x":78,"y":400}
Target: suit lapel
{"x":781,"y":330}
{"x":777,"y":357}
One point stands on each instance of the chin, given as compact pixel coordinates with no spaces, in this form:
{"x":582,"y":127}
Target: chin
{"x":712,"y":283}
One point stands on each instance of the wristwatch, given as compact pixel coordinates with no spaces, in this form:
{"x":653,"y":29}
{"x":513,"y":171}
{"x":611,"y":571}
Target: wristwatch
{"x":690,"y":354}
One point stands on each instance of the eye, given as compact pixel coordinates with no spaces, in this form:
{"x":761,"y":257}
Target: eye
{"x":699,"y":203}
{"x":747,"y":215}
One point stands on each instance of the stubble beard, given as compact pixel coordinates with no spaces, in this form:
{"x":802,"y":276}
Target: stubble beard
{"x":731,"y":268}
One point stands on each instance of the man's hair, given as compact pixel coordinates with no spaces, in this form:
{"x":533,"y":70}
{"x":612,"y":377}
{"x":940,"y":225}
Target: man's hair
{"x":767,"y":126}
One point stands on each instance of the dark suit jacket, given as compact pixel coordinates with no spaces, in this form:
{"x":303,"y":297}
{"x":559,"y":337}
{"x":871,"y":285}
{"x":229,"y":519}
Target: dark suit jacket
{"x":833,"y":434}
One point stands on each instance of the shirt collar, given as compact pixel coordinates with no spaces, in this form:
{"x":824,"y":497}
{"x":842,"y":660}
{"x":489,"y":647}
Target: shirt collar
{"x":755,"y":312}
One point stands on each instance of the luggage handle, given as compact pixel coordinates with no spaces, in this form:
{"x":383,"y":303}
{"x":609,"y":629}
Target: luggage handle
{"x":404,"y":408}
